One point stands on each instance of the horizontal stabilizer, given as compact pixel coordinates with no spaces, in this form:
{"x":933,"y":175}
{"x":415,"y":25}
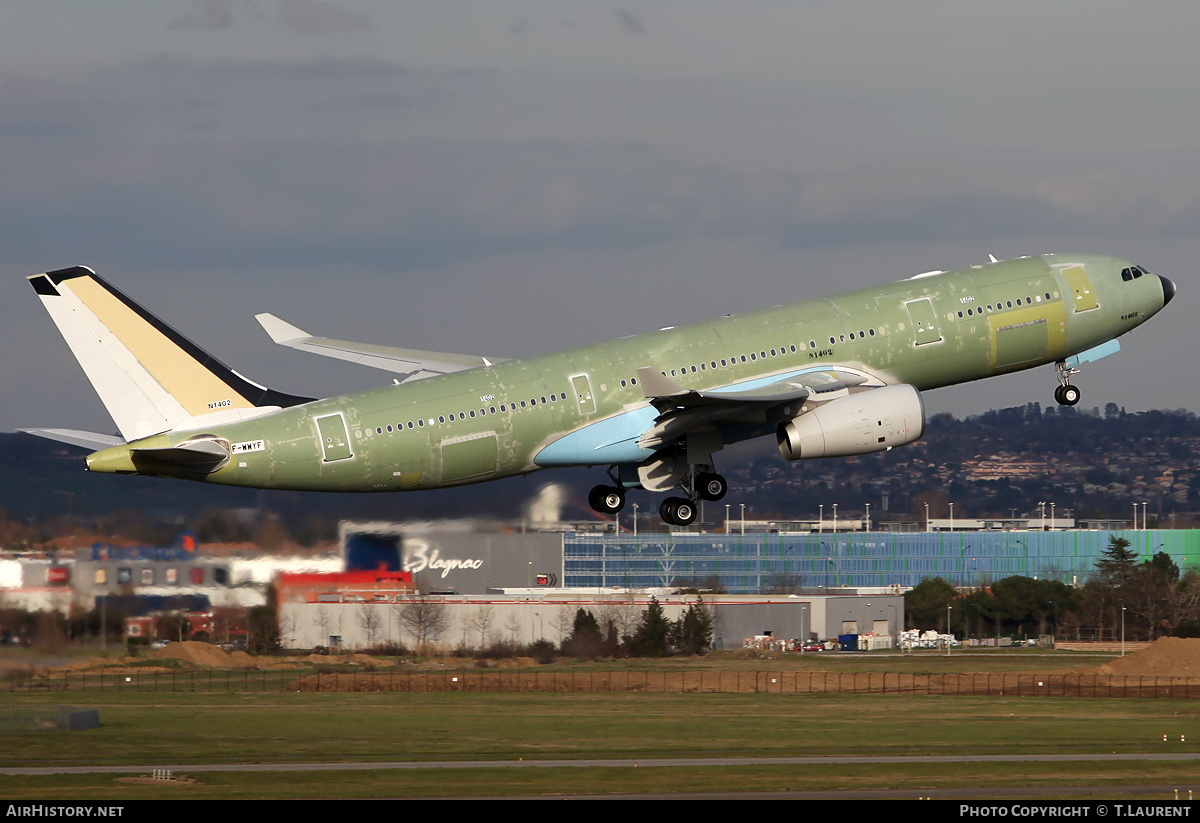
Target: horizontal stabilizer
{"x":413,"y":364}
{"x":89,"y":440}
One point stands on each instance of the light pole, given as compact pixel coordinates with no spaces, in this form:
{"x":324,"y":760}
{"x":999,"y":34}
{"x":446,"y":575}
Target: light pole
{"x":1143,"y":515}
{"x":949,"y":634}
{"x":635,"y":505}
{"x":821,"y":519}
{"x":926,"y":517}
{"x":743,"y":505}
{"x":835,"y":518}
{"x":1051,"y":517}
{"x":867,"y":525}
{"x":726,"y":518}
{"x":1135,"y":516}
{"x":1122,"y":631}
{"x":951,"y":517}
{"x":1042,"y":506}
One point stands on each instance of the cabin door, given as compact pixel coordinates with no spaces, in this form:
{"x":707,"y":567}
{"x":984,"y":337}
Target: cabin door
{"x":334,"y":440}
{"x":924,"y":320}
{"x":583,"y":394}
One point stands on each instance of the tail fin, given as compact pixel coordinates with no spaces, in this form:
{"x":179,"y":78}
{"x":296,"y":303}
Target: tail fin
{"x":150,"y":377}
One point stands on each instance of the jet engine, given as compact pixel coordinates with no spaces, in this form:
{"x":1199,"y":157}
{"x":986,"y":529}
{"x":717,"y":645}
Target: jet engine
{"x":859,"y":423}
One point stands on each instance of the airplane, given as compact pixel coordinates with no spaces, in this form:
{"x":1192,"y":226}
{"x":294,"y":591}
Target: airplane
{"x":827,"y":377}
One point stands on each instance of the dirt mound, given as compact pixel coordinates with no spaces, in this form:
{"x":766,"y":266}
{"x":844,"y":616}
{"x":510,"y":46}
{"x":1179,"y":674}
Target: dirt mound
{"x":1166,"y":656}
{"x":196,"y":653}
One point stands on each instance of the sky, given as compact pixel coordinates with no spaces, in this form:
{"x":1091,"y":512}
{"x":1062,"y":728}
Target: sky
{"x":514,"y":177}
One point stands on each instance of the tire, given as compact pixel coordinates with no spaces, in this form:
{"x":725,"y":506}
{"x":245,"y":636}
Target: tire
{"x":683,"y":511}
{"x":606,"y":499}
{"x":1070,"y":395}
{"x":712,"y":486}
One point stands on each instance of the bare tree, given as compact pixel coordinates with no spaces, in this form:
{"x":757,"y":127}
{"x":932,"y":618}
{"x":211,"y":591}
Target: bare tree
{"x":625,"y":615}
{"x":321,"y":619}
{"x":513,"y":626}
{"x":369,"y":621}
{"x":481,"y":621}
{"x":425,"y":617}
{"x":563,"y":621}
{"x":287,"y":627}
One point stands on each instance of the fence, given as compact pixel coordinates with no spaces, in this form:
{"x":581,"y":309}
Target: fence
{"x":32,"y":718}
{"x":722,"y":682}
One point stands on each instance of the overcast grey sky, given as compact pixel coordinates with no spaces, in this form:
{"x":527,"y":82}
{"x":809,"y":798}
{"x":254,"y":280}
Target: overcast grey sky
{"x":517,"y":177}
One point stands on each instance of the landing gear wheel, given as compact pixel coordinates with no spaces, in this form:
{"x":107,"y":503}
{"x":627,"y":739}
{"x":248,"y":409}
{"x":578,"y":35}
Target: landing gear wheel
{"x":1067,"y":395}
{"x":678,"y":511}
{"x":711,"y":486}
{"x":606,"y":499}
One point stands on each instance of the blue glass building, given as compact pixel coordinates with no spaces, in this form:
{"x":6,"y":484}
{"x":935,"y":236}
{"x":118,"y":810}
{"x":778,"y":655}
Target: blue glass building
{"x":761,"y":562}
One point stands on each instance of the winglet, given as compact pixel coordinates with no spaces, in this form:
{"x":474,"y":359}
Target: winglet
{"x":281,"y":331}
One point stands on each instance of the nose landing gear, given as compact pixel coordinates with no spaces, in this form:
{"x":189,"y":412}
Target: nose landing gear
{"x":1066,"y":394}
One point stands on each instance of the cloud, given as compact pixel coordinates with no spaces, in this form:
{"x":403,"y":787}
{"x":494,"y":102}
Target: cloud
{"x":423,"y":203}
{"x":205,"y":15}
{"x":318,"y":17}
{"x":315,"y":68}
{"x":629,"y":23}
{"x":308,"y":16}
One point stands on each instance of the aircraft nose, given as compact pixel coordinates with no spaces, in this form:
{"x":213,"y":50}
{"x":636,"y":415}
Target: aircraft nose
{"x":1168,"y":289}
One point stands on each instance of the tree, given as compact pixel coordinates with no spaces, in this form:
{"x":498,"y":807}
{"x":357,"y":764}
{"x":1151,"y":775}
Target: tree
{"x":322,"y":619}
{"x":650,"y":639}
{"x":1118,"y":562}
{"x":424,"y":616}
{"x":925,"y":604}
{"x":693,"y":631}
{"x":369,"y":621}
{"x":481,"y":621}
{"x":585,"y":641}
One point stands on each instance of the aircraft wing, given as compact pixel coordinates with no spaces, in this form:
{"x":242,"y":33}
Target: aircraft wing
{"x":413,"y":364}
{"x":664,"y":392}
{"x":683,"y":410}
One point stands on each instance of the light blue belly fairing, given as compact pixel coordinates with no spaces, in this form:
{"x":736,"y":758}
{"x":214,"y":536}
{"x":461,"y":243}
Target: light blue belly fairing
{"x":614,"y":440}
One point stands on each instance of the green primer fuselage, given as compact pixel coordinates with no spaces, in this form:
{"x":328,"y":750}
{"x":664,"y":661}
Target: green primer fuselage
{"x":499,"y":420}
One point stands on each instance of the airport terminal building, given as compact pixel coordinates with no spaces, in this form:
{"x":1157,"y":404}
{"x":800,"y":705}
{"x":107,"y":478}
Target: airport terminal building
{"x":763,"y":562}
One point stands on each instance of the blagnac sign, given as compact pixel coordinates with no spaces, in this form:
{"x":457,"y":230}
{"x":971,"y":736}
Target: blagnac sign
{"x":421,"y":558}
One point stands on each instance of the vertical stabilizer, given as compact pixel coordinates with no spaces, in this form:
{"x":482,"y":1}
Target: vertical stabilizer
{"x":150,"y":378}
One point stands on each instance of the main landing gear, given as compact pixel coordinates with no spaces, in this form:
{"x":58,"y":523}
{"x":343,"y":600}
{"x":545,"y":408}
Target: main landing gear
{"x":676,"y":511}
{"x":1066,"y":394}
{"x":681,"y":511}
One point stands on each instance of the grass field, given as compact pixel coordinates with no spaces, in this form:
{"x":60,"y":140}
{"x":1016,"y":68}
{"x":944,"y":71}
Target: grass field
{"x":163,"y":728}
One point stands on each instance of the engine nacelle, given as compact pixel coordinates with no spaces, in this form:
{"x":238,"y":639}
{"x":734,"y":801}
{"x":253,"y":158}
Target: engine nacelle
{"x":859,"y":423}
